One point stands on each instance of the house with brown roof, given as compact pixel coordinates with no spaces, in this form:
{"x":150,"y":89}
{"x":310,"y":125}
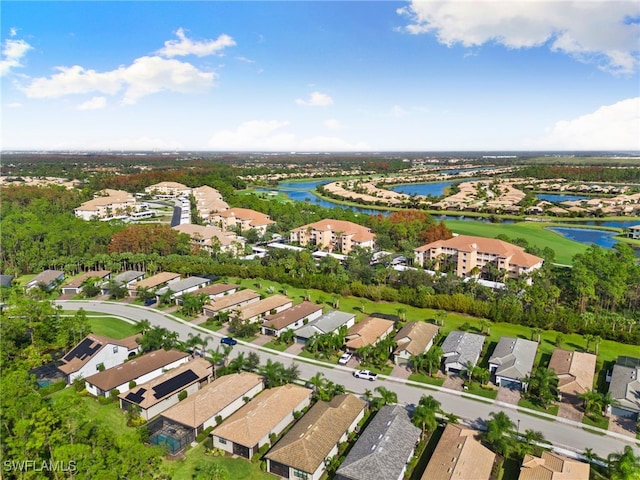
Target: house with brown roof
{"x":329,"y":234}
{"x":138,"y":370}
{"x":575,"y":371}
{"x":459,"y":455}
{"x":303,"y":450}
{"x":95,"y":352}
{"x":153,"y":282}
{"x":243,"y":219}
{"x":254,"y":312}
{"x":466,"y":256}
{"x":552,"y":466}
{"x":220,"y":398}
{"x":74,"y":287}
{"x":155,"y":396}
{"x":218,"y":290}
{"x":269,"y":413}
{"x":208,"y":201}
{"x":368,"y":331}
{"x":108,"y":204}
{"x":414,"y":338}
{"x":291,"y":318}
{"x":211,"y":239}
{"x":168,"y":190}
{"x":47,"y":280}
{"x":231,"y":302}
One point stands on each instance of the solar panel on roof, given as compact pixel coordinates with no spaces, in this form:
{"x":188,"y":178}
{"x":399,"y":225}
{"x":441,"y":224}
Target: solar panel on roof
{"x":83,"y":350}
{"x":136,"y":397}
{"x":175,"y":383}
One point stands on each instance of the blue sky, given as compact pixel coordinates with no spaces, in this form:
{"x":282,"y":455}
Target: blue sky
{"x":321,"y":76}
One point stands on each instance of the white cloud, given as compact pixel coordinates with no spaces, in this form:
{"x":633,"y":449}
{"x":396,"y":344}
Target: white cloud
{"x":94,"y":103}
{"x":12,"y":53}
{"x":332,"y":124}
{"x":610,"y":127}
{"x":146,"y":75}
{"x":316,"y":99}
{"x":268,"y":136}
{"x":398,"y":111}
{"x":185,"y":46}
{"x":245,"y":60}
{"x":13,"y":31}
{"x":590,"y":31}
{"x":13,"y":105}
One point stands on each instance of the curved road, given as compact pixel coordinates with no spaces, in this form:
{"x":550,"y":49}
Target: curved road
{"x":559,"y":432}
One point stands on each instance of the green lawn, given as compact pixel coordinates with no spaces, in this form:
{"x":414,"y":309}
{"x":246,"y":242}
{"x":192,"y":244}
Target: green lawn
{"x":552,"y":410}
{"x":111,"y":327}
{"x":278,"y":346}
{"x":535,"y":233}
{"x":108,"y":414}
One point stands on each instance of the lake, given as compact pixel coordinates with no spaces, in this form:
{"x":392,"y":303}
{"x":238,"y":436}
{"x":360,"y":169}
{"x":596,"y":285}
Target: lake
{"x":434,"y":189}
{"x":558,"y":197}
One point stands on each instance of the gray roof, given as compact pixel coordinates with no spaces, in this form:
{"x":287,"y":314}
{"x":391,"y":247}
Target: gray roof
{"x":6,"y":280}
{"x":126,"y":277}
{"x":184,"y":284}
{"x":328,"y":322}
{"x":46,"y":278}
{"x":384,"y":447}
{"x":625,"y":383}
{"x":514,"y":357}
{"x":462,"y":347}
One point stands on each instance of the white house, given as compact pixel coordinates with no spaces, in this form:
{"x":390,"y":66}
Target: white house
{"x":291,"y":318}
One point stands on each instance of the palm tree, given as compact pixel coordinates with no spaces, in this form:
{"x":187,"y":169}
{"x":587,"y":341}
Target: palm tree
{"x":144,"y":326}
{"x":387,"y":397}
{"x":588,"y":338}
{"x":424,"y":415}
{"x":432,"y":358}
{"x":535,"y":333}
{"x":440,"y":316}
{"x":625,"y":465}
{"x":589,"y":455}
{"x":497,"y":429}
{"x":591,"y":401}
{"x":402,"y":314}
{"x":605,"y":401}
{"x":596,"y":341}
{"x":317,"y":381}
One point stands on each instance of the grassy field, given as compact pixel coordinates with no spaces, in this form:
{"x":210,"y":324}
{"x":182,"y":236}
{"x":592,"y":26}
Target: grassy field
{"x":111,"y":327}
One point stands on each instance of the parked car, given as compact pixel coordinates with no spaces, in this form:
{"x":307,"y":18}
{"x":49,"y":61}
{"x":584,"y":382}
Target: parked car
{"x":365,"y":374}
{"x":229,"y":341}
{"x":344,"y":359}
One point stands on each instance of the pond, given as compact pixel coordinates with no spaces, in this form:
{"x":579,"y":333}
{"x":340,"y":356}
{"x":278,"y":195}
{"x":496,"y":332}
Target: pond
{"x":601,"y":238}
{"x":434,"y":189}
{"x":310,"y":186}
{"x":558,"y":197}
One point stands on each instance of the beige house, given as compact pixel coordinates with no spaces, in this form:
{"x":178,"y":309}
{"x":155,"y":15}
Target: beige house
{"x":368,"y":331}
{"x":168,"y":189}
{"x":459,"y":455}
{"x":242,"y":219}
{"x":75,"y":286}
{"x":161,"y":393}
{"x":468,"y":255}
{"x":634,"y":232}
{"x":208,"y":201}
{"x":269,"y":413}
{"x":303,"y":450}
{"x":291,"y":318}
{"x":552,"y":466}
{"x":212,"y":239}
{"x":575,"y":372}
{"x":414,"y":338}
{"x":108,"y":204}
{"x":219,"y":290}
{"x":256,"y":311}
{"x":231,"y":302}
{"x":153,"y":282}
{"x":332,"y":234}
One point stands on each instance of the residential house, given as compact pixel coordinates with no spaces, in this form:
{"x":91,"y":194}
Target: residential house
{"x":255,"y":312}
{"x":625,"y":387}
{"x":551,"y":466}
{"x":334,"y":235}
{"x":512,"y":361}
{"x":74,"y":287}
{"x":383,"y":449}
{"x":231,"y":302}
{"x":461,"y":349}
{"x":94,"y":353}
{"x":369,"y":331}
{"x":108,"y":204}
{"x":157,"y":395}
{"x":220,"y":398}
{"x":269,"y":413}
{"x":329,"y":322}
{"x":466,"y":256}
{"x":208,"y":201}
{"x":168,"y":190}
{"x":181,"y":287}
{"x":47,"y":280}
{"x":303,"y":450}
{"x":634,"y":232}
{"x":459,"y":455}
{"x":242,"y":219}
{"x":291,"y":318}
{"x":6,"y":281}
{"x":138,"y":370}
{"x":414,"y":338}
{"x":153,"y":282}
{"x":124,"y":279}
{"x":219,"y":290}
{"x":575,"y":371}
{"x":212,"y":239}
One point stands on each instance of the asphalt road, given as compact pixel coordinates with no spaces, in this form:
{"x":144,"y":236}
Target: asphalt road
{"x":475,"y":413}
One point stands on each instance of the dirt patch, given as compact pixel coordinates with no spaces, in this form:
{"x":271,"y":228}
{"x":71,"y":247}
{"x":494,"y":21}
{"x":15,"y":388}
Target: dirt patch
{"x":508,"y":395}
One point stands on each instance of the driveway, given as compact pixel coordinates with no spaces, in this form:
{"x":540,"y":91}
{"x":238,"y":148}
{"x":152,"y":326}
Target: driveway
{"x":623,"y":425}
{"x":400,"y":371}
{"x":508,"y":395}
{"x":295,"y":349}
{"x":453,"y":382}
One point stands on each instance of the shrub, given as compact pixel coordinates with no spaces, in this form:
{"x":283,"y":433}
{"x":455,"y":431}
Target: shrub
{"x":204,"y":434}
{"x":51,"y":388}
{"x":182,"y":395}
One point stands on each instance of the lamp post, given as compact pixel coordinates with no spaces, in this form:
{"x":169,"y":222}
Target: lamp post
{"x":518,"y":430}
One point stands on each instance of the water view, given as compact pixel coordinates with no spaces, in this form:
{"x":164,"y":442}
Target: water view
{"x":434,"y":189}
{"x":560,"y":197}
{"x":601,"y":238}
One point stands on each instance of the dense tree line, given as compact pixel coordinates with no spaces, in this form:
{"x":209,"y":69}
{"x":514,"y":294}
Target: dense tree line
{"x":582,"y":173}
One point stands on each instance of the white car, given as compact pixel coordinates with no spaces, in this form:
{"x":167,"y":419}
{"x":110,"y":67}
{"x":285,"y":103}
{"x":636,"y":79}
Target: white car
{"x":344,"y":359}
{"x":365,"y":374}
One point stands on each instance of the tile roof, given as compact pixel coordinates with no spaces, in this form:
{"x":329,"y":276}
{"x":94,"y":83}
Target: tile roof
{"x":257,"y":218}
{"x":367,"y":332}
{"x":552,"y":466}
{"x":261,"y":416}
{"x":328,"y":322}
{"x":462,"y":347}
{"x":184,"y":284}
{"x":126,"y":277}
{"x":414,"y":337}
{"x":45,"y":277}
{"x":77,"y":282}
{"x":218,"y":288}
{"x":459,"y":455}
{"x":312,"y":438}
{"x":88,"y":347}
{"x":359,"y":232}
{"x":146,"y":397}
{"x":291,"y":315}
{"x":209,"y":401}
{"x":383,"y":448}
{"x":115,"y":376}
{"x":575,"y":370}
{"x":263,"y":306}
{"x":514,"y":357}
{"x":625,"y":383}
{"x":155,"y":280}
{"x":231,"y":300}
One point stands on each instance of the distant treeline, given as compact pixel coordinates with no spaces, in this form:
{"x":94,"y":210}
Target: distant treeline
{"x":583,"y":173}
